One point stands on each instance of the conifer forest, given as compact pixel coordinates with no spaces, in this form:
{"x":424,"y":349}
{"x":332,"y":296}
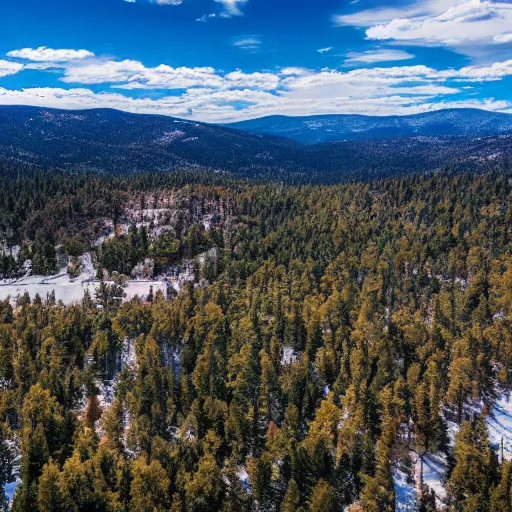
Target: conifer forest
{"x":200,"y":342}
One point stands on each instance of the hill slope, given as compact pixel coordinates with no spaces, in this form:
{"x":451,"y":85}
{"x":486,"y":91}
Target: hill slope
{"x":325,"y":128}
{"x":118,"y":142}
{"x":115,"y":141}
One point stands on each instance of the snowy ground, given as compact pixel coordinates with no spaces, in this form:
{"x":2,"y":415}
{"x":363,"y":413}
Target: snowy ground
{"x":243,"y":476}
{"x":288,"y":356}
{"x":142,"y":288}
{"x":434,"y":470}
{"x":13,"y":251}
{"x":10,"y":489}
{"x":127,"y":358}
{"x":499,"y":425}
{"x":71,"y":290}
{"x":66,"y":289}
{"x":405,"y":492}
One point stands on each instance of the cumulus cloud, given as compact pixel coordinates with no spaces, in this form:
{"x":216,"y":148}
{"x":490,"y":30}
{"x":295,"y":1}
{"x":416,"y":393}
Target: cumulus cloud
{"x":295,"y":71}
{"x":215,"y":106}
{"x":373,"y":56}
{"x":207,"y":94}
{"x":266,"y":81}
{"x":496,"y":71}
{"x":457,"y":23}
{"x":137,"y":76}
{"x":9,"y":68}
{"x":503,"y":38}
{"x":44,"y":54}
{"x":325,"y":50}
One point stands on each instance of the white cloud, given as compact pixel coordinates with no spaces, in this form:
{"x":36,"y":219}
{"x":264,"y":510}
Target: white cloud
{"x":295,"y":71}
{"x":379,"y":15}
{"x":214,"y":106}
{"x":137,"y":76}
{"x":325,"y":50}
{"x":247,"y":42}
{"x":44,"y":54}
{"x":462,"y":24}
{"x":266,"y":81}
{"x":159,"y":2}
{"x":97,"y":73}
{"x":496,"y":71}
{"x":503,"y":38}
{"x":9,"y":68}
{"x":372,"y":56}
{"x":129,"y":74}
{"x":232,"y":7}
{"x":204,"y":93}
{"x":206,"y":17}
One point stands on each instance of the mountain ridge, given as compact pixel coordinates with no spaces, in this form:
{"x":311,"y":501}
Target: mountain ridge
{"x":336,"y":127}
{"x":113,"y":141}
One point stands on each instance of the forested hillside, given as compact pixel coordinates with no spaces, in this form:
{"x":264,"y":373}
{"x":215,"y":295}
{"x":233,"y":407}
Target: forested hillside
{"x":109,"y":141}
{"x":350,"y":349}
{"x":337,"y":127}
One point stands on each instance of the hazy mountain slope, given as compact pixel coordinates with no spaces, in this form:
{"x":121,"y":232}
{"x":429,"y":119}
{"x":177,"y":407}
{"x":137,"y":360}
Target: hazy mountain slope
{"x":314,"y":129}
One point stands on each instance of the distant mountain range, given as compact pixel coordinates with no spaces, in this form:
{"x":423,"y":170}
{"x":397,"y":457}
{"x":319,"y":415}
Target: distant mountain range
{"x":119,"y":142}
{"x":115,"y":141}
{"x":337,"y":127}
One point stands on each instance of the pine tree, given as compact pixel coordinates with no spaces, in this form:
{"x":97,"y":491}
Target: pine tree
{"x":475,"y":468}
{"x":291,"y":501}
{"x":501,"y":497}
{"x":50,"y":498}
{"x":150,"y":487}
{"x":322,"y":499}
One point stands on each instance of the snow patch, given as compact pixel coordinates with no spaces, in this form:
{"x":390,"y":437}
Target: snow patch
{"x":405,"y":492}
{"x":67,"y":289}
{"x":435,"y":466}
{"x":243,"y":476}
{"x":499,"y":424}
{"x":289,"y":356}
{"x":142,"y":289}
{"x":10,"y":489}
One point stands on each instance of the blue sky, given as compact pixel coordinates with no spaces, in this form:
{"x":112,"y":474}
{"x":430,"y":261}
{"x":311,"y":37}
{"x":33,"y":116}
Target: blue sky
{"x":228,"y":60}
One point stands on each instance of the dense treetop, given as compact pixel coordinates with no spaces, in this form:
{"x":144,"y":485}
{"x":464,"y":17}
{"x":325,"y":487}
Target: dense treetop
{"x":343,"y":327}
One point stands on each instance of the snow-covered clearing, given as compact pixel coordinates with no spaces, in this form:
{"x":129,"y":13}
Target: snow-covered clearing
{"x":142,"y":288}
{"x":67,"y":289}
{"x":126,"y":358}
{"x":243,"y":476}
{"x":13,"y":251}
{"x":71,"y":290}
{"x":10,"y":487}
